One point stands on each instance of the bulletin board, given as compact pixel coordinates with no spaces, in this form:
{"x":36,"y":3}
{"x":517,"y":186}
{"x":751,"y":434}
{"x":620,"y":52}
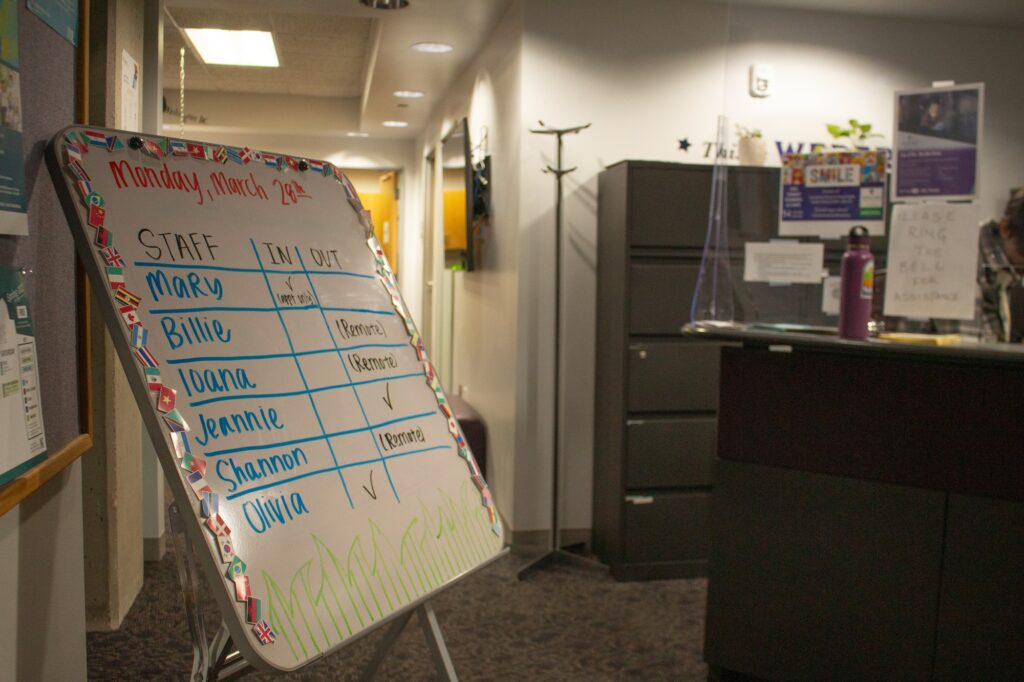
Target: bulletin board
{"x":283,"y":382}
{"x":52,"y":94}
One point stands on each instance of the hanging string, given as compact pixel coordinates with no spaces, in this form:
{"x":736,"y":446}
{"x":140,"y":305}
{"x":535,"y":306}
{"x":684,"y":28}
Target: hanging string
{"x":181,"y":91}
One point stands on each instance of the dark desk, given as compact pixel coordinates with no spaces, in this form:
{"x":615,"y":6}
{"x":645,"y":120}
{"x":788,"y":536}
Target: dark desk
{"x":868,"y":515}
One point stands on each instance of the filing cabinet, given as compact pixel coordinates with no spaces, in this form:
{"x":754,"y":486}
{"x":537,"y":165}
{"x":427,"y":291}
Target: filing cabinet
{"x":656,"y":391}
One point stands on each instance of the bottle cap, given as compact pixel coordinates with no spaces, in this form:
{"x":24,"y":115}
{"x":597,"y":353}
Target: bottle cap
{"x":858,"y":236}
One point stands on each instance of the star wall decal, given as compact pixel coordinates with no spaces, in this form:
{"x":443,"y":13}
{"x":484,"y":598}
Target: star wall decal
{"x":684,"y":144}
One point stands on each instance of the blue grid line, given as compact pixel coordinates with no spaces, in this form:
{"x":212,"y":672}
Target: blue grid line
{"x":310,"y":439}
{"x":220,"y":268}
{"x":291,"y":394}
{"x":328,"y":470}
{"x":341,"y":359}
{"x":302,"y":376}
{"x":274,"y":356}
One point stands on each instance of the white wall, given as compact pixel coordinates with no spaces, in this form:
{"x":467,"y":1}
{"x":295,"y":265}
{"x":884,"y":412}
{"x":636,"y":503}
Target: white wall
{"x":645,"y":75}
{"x":486,"y":301}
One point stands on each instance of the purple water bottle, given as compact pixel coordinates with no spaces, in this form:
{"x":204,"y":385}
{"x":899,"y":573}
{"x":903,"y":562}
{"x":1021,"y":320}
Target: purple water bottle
{"x":856,"y":282}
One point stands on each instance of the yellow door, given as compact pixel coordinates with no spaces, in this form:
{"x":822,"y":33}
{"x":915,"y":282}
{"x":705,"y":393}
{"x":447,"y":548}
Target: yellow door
{"x":388,"y":222}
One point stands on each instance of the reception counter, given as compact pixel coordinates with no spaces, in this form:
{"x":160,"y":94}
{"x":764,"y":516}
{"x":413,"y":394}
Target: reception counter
{"x":868,"y":514}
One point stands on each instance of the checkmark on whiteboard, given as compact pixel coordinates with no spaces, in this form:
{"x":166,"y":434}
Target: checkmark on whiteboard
{"x":387,"y":396}
{"x":371,"y":491}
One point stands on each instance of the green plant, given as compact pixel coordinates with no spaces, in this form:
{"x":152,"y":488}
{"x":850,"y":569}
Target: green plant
{"x":743,"y":132}
{"x":857,"y":132}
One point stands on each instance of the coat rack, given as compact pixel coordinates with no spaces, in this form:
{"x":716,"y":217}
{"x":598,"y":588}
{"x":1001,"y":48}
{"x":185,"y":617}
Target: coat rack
{"x":555,"y":551}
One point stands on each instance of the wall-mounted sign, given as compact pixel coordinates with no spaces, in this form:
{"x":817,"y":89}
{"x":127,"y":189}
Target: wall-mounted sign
{"x":938,"y":135}
{"x":824,"y":194}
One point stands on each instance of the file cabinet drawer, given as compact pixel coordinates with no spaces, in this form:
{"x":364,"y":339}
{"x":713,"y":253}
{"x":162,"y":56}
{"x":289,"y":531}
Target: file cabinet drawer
{"x":668,"y":527}
{"x":667,"y":453}
{"x":673,"y":376}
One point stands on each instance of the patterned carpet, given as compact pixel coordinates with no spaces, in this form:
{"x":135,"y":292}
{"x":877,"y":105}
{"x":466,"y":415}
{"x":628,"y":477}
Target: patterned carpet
{"x":563,"y":623}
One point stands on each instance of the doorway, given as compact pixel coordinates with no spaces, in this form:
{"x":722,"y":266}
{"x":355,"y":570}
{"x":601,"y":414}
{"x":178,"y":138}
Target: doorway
{"x":379,"y":192}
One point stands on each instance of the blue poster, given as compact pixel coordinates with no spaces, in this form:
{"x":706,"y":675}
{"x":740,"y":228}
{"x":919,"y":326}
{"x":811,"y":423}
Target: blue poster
{"x":60,"y":15}
{"x":938,"y":134}
{"x":826,"y":193}
{"x":21,"y":417}
{"x":13,"y":200}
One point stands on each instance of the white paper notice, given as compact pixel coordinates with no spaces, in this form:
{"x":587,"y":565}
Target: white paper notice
{"x":130,"y":76}
{"x":933,"y":260}
{"x":783,"y":262}
{"x":830,"y":296}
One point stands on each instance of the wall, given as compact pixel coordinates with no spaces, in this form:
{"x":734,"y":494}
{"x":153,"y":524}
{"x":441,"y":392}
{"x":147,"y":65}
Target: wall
{"x":42,"y":622}
{"x":487,"y":303}
{"x":647,"y":76}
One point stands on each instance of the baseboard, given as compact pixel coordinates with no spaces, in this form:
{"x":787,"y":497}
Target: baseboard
{"x":154,"y":549}
{"x":526,"y":542}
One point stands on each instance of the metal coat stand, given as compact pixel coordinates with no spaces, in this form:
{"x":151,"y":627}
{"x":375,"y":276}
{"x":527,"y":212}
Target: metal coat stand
{"x":555,"y":551}
{"x":219,"y":659}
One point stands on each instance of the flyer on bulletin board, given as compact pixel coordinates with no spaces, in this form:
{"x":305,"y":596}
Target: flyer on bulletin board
{"x":60,"y":15}
{"x":13,"y":199}
{"x":938,"y":135}
{"x":23,"y":444}
{"x":826,"y":193}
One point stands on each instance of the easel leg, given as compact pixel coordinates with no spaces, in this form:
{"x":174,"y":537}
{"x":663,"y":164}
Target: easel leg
{"x":190,"y":594}
{"x":435,"y":642}
{"x":217,"y":660}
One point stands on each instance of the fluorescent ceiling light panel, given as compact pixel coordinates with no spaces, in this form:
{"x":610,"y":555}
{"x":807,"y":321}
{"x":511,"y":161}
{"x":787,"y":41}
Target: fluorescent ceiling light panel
{"x":234,"y":48}
{"x":357,"y":134}
{"x":408,"y":94}
{"x":436,"y":48}
{"x":394,"y":124}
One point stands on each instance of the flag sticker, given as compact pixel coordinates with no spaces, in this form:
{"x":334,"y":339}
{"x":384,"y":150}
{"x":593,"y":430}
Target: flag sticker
{"x":131,"y":319}
{"x":253,"y":610}
{"x":236,"y":569}
{"x":226,"y":549}
{"x":175,"y":421}
{"x":144,"y":356}
{"x":97,"y":216}
{"x":139,"y":336}
{"x":115,"y":277}
{"x":103,"y":237}
{"x":154,"y":383}
{"x":168,"y":396}
{"x":127,"y":297}
{"x":210,"y":505}
{"x":112,"y":258}
{"x":263,"y":632}
{"x":242,"y":591}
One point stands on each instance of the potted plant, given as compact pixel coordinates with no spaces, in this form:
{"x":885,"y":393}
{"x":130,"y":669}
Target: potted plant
{"x":857,"y":132}
{"x":750,"y":147}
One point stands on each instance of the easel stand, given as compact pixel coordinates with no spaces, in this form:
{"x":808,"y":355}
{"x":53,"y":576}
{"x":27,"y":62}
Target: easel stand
{"x":555,"y":551}
{"x":220,"y":660}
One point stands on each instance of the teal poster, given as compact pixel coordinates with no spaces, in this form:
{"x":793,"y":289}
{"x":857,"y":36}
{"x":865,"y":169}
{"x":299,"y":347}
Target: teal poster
{"x":60,"y":15}
{"x":13,"y":200}
{"x":21,"y":416}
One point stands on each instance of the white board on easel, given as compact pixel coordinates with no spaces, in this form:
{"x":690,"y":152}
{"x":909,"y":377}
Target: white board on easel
{"x":246,"y":289}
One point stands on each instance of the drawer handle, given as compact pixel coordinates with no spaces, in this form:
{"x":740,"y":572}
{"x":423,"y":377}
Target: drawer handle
{"x":640,"y":499}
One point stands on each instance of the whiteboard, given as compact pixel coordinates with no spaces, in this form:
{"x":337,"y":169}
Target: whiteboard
{"x":251,"y":305}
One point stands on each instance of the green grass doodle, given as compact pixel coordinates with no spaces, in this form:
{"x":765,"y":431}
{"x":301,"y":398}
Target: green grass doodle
{"x":332,"y":597}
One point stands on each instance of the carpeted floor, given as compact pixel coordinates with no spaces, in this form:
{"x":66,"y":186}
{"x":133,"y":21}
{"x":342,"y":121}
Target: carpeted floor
{"x":563,"y":623}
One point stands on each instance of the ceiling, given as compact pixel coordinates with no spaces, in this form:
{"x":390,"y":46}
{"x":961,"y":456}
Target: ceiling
{"x":338,"y":49}
{"x":1000,"y":13}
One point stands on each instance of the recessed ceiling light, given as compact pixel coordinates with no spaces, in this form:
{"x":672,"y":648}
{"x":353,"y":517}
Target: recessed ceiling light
{"x":386,"y":4}
{"x":435,"y":48}
{"x":235,"y":48}
{"x":394,"y":124}
{"x":408,"y":94}
{"x":357,"y":133}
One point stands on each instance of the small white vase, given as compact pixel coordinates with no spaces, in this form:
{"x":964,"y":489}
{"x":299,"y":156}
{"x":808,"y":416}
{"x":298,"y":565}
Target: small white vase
{"x":752,"y":151}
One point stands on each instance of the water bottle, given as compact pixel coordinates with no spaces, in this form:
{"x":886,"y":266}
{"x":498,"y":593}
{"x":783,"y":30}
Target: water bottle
{"x":856,"y":283}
